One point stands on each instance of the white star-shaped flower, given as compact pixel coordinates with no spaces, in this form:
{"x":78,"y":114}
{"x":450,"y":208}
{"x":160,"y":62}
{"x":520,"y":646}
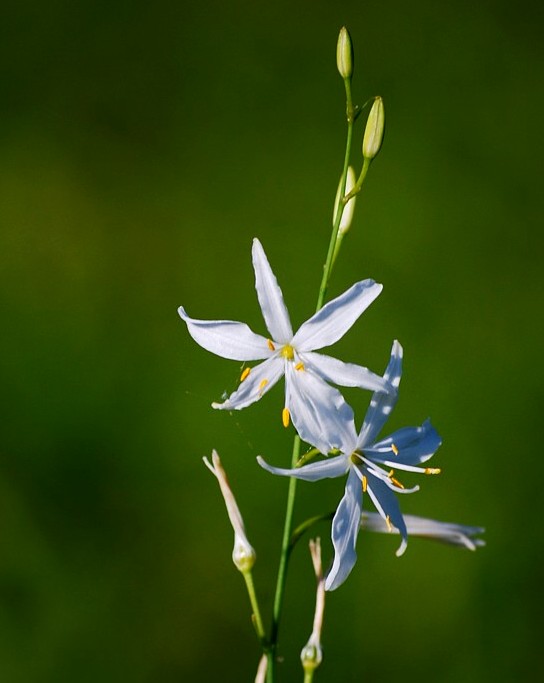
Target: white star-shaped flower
{"x":317,"y":410}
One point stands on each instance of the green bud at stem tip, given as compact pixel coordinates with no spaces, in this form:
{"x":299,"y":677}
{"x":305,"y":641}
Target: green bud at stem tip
{"x":344,"y":54}
{"x":375,"y":125}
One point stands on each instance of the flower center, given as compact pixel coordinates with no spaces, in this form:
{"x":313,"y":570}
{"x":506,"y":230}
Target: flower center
{"x":288,"y":352}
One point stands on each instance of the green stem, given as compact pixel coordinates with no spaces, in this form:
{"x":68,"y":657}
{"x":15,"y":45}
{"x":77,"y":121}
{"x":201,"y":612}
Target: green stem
{"x":256,"y":616}
{"x":288,"y":524}
{"x":309,"y":676}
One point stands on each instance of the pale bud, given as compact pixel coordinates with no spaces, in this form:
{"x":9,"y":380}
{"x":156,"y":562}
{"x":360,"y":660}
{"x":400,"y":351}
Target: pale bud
{"x":375,"y":124}
{"x":344,"y":53}
{"x":312,"y":654}
{"x":243,"y":554}
{"x":349,"y":208}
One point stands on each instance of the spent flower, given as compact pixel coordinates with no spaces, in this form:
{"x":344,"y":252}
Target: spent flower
{"x":243,"y":554}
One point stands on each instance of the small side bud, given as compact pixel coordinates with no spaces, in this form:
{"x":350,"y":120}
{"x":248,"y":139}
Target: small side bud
{"x":312,"y":654}
{"x":344,"y":54}
{"x":375,"y":125}
{"x":347,"y":216}
{"x":243,"y":554}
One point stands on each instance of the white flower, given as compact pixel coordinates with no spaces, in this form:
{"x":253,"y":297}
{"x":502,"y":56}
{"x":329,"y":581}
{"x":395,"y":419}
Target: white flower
{"x":317,"y":410}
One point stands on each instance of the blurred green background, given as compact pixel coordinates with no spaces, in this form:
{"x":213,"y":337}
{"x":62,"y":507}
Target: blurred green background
{"x":142,"y":147}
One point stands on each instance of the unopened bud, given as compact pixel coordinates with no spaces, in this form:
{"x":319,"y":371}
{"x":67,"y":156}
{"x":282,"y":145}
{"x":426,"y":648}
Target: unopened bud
{"x":243,"y":554}
{"x":375,"y":124}
{"x":344,"y":53}
{"x":311,"y":656}
{"x":349,"y":208}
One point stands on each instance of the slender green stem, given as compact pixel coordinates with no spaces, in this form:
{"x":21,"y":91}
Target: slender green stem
{"x":309,"y":676}
{"x":286,"y":546}
{"x":256,"y":616}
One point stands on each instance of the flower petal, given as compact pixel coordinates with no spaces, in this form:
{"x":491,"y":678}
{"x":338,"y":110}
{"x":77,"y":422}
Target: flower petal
{"x":270,"y":297}
{"x":445,"y":532}
{"x":345,"y":527}
{"x":344,"y":374}
{"x":260,"y":379}
{"x":227,"y":338}
{"x":381,"y":403}
{"x":388,"y":506}
{"x":331,"y":322}
{"x":318,"y":411}
{"x":314,"y":471}
{"x":407,"y":446}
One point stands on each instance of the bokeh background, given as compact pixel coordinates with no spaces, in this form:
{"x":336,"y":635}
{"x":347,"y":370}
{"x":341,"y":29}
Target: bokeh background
{"x":142,"y":147}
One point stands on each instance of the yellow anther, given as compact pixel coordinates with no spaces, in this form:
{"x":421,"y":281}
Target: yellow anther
{"x":388,"y":522}
{"x":394,"y":449}
{"x":299,"y":366}
{"x":288,"y":352}
{"x":285,"y":417}
{"x":270,"y":345}
{"x":395,"y":481}
{"x":365,"y":483}
{"x":262,"y":385}
{"x":244,"y":374}
{"x":432,"y":470}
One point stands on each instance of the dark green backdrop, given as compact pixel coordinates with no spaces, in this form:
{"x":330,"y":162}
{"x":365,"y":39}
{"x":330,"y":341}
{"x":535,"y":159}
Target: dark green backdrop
{"x":142,"y":146}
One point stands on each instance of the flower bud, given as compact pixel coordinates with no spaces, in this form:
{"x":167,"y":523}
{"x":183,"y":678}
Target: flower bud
{"x":312,"y":654}
{"x":347,"y":216}
{"x":375,"y":124}
{"x":243,"y":554}
{"x":344,"y":53}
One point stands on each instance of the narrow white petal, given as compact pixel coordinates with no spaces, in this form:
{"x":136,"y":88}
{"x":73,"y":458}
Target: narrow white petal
{"x":314,"y":471}
{"x":318,"y":411}
{"x":345,"y":527}
{"x":344,"y":374}
{"x":270,"y":297}
{"x":330,"y":323}
{"x":227,"y":338}
{"x":381,"y":404}
{"x":260,"y":379}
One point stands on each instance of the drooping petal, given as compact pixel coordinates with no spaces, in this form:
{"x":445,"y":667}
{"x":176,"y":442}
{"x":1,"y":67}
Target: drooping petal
{"x":344,"y":374}
{"x":345,"y":527}
{"x":388,"y":506}
{"x":227,"y":338}
{"x":407,"y":446}
{"x":318,"y":411}
{"x":331,"y":322}
{"x":260,"y":379}
{"x":381,"y":404}
{"x":270,"y":297}
{"x":445,"y":532}
{"x":314,"y":471}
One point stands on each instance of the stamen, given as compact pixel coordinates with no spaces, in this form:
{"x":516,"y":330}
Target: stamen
{"x":395,"y":481}
{"x":432,"y":470}
{"x":299,"y":366}
{"x":394,"y":449}
{"x":262,"y":385}
{"x":388,"y":522}
{"x":285,"y":417}
{"x":270,"y":345}
{"x":365,"y":483}
{"x":244,"y":374}
{"x":288,"y":352}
